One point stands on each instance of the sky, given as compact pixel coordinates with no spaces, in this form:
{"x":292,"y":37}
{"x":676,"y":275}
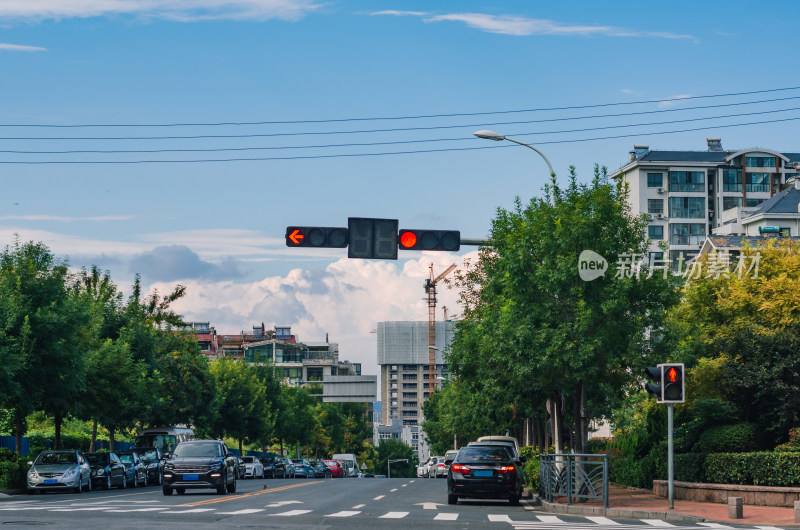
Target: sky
{"x":177,"y":139}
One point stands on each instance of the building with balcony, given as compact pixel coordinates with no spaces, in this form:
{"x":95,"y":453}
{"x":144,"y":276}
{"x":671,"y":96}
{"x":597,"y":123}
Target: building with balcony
{"x":689,"y":195}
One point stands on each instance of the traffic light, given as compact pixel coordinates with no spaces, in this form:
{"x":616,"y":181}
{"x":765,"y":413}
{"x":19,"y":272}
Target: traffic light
{"x":669,"y":386}
{"x":673,"y":383}
{"x":316,"y":236}
{"x":372,"y":238}
{"x":430,"y":240}
{"x":654,"y":373}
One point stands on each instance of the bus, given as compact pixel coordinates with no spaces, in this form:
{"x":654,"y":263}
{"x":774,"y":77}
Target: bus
{"x":164,"y":438}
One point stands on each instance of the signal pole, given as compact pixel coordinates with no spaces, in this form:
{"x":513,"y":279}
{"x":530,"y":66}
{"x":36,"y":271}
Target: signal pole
{"x":670,"y":467}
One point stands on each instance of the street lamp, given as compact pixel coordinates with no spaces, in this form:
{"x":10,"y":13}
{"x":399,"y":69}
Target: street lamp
{"x":497,"y":137}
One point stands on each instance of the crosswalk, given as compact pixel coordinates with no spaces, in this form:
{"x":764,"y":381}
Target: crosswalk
{"x":531,"y":522}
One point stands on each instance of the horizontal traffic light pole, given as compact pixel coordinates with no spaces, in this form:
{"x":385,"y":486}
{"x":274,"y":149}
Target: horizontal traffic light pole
{"x":369,"y":238}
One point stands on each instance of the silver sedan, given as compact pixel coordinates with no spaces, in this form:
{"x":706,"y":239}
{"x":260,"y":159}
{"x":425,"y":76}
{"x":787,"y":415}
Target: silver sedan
{"x":59,"y":470}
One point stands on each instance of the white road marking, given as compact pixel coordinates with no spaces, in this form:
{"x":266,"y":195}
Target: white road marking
{"x":603,"y":520}
{"x":767,"y":528}
{"x":714,"y":525}
{"x":404,"y":485}
{"x":392,"y":491}
{"x":657,"y":522}
{"x":193,"y":510}
{"x":379,"y":497}
{"x":410,"y":481}
{"x":428,"y":505}
{"x":552,"y":519}
{"x":282,"y":503}
{"x":243,"y":512}
{"x":137,"y":510}
{"x":291,"y":513}
{"x":393,"y":515}
{"x":92,"y":509}
{"x":496,"y":518}
{"x":446,"y":517}
{"x":343,"y":514}
{"x":358,"y":506}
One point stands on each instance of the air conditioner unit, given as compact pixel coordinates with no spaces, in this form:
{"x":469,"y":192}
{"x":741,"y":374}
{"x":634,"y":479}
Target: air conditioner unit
{"x":649,"y":217}
{"x":660,"y":190}
{"x":661,"y":216}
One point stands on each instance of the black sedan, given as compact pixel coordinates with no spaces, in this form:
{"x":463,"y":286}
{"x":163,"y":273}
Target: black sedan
{"x":484,"y":472}
{"x":321,"y":470}
{"x":107,"y":470}
{"x":136,"y":468}
{"x":151,"y":456}
{"x":199,"y":464}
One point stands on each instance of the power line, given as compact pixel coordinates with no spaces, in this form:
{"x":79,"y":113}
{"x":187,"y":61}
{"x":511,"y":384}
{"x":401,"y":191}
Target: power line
{"x":353,"y":155}
{"x":373,"y":131}
{"x":410,"y":117}
{"x":395,"y":142}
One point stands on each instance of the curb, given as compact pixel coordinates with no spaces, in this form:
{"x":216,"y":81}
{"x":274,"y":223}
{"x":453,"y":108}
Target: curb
{"x":9,"y":493}
{"x":553,"y":507}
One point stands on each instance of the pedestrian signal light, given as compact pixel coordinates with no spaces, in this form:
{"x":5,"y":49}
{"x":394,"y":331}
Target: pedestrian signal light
{"x":673,"y":383}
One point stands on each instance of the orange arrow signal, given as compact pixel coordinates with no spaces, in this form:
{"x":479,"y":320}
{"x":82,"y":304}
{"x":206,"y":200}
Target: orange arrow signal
{"x":296,"y":236}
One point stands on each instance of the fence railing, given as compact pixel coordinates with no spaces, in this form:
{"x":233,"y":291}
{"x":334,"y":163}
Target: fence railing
{"x":574,"y":476}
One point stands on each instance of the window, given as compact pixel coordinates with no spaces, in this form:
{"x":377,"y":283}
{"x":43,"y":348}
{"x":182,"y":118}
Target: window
{"x":656,"y":258}
{"x":692,"y":181}
{"x":409,"y":413}
{"x":409,"y":385}
{"x":409,"y":394}
{"x":293,"y":373}
{"x":732,"y":180}
{"x":655,"y":232}
{"x":754,"y":202}
{"x":731,"y":202}
{"x":409,"y":404}
{"x":687,"y":207}
{"x":655,"y":180}
{"x":757,"y":182}
{"x":314,"y":373}
{"x":426,"y":385}
{"x":410,"y":367}
{"x":409,"y":422}
{"x":426,"y":376}
{"x":407,"y":377}
{"x":655,"y":205}
{"x":687,"y":234}
{"x":680,"y":258}
{"x":759,"y":161}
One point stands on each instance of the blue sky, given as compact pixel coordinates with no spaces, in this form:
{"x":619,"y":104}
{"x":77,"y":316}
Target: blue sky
{"x":218,"y":227}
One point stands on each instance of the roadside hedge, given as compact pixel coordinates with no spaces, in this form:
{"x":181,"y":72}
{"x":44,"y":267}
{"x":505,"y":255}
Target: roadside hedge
{"x":760,"y":469}
{"x":690,"y":467}
{"x":12,"y":470}
{"x":738,"y":438}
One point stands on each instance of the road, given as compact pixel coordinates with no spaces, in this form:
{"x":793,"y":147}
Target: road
{"x":298,"y":503}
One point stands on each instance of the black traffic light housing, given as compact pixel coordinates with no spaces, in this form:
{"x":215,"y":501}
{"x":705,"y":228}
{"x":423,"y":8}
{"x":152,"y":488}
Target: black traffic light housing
{"x":316,"y":236}
{"x":415,"y":239}
{"x":669,"y":385}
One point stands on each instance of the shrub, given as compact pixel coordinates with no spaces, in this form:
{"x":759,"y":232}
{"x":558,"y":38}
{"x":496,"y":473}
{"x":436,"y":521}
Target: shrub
{"x":12,"y":474}
{"x":598,"y":445}
{"x":690,"y":467}
{"x":793,"y":445}
{"x":627,"y":471}
{"x":739,"y":438}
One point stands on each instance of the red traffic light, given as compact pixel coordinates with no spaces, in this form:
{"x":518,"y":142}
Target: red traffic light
{"x":408,"y":239}
{"x":672,"y":375}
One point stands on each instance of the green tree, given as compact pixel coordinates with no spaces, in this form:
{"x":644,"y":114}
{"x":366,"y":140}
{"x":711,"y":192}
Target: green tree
{"x":397,"y":450}
{"x":532,"y":329}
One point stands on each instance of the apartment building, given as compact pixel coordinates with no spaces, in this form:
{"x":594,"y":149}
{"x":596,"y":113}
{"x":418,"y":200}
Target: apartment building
{"x":689,"y":195}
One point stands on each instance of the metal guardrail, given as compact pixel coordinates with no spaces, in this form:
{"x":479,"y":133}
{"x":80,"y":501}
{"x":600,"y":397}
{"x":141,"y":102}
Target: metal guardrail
{"x":574,"y":476}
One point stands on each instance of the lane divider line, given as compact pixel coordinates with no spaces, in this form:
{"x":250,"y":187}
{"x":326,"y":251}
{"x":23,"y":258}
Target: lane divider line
{"x":246,"y":495}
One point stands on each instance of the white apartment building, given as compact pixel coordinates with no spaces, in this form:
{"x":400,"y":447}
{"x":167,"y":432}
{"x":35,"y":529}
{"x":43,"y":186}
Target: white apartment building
{"x":688,"y":195}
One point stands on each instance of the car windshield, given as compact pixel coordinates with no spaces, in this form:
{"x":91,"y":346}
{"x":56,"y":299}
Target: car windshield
{"x":97,"y":459}
{"x":149,"y":456}
{"x":192,"y":449}
{"x":249,"y":459}
{"x":46,"y":459}
{"x":484,"y":454}
{"x":126,"y":459}
{"x":296,"y":461}
{"x":331,"y":462}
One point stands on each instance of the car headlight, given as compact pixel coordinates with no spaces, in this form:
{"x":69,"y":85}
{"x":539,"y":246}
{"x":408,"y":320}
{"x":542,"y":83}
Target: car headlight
{"x":71,"y":471}
{"x":169,"y":466}
{"x":99,"y":472}
{"x":32,"y":473}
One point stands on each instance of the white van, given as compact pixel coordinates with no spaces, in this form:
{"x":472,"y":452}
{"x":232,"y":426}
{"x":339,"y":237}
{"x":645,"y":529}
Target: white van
{"x":164,"y":438}
{"x":349,"y":463}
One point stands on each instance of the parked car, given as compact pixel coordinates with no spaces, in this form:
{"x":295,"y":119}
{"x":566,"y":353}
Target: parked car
{"x":59,"y":470}
{"x":507,"y":445}
{"x":302,"y":468}
{"x":437,"y":468}
{"x":449,"y":456}
{"x":432,"y":461}
{"x":272,"y":466}
{"x":421,"y":469}
{"x":107,"y":470}
{"x":240,"y":467}
{"x":349,"y":464}
{"x":320,"y":469}
{"x":335,"y":467}
{"x":484,"y":472}
{"x":199,"y":464}
{"x":288,"y":467}
{"x":502,"y":439}
{"x":136,"y":470}
{"x":152,"y":458}
{"x":253,"y":468}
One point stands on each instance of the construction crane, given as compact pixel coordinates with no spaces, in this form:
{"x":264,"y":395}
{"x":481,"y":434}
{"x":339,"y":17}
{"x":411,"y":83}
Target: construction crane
{"x":430,"y":290}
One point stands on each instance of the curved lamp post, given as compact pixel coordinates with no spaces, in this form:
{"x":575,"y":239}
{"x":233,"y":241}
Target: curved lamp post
{"x":497,"y":137}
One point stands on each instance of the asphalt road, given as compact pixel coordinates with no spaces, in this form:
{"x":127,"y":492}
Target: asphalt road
{"x":293,"y":503}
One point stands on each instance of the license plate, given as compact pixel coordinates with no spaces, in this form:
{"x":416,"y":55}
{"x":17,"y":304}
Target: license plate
{"x":482,"y":473}
{"x":190,"y":477}
{"x":50,"y":481}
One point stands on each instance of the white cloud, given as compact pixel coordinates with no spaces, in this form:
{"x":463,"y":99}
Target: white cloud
{"x":345,"y":300}
{"x":523,"y":26}
{"x":20,"y":48}
{"x":630,"y":91}
{"x":176,"y":10}
{"x":673,"y":100}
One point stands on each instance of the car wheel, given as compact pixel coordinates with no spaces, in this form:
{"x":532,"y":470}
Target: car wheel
{"x":124,"y":484}
{"x":107,"y":485}
{"x":180,"y":491}
{"x":452,"y":499}
{"x":166,"y":490}
{"x":222,"y":485}
{"x":89,"y":484}
{"x":232,"y":487}
{"x":328,"y":474}
{"x":135,"y":483}
{"x":79,"y":488}
{"x":158,"y":479}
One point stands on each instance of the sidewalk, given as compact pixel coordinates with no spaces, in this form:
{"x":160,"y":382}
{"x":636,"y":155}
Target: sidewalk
{"x":642,"y":504}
